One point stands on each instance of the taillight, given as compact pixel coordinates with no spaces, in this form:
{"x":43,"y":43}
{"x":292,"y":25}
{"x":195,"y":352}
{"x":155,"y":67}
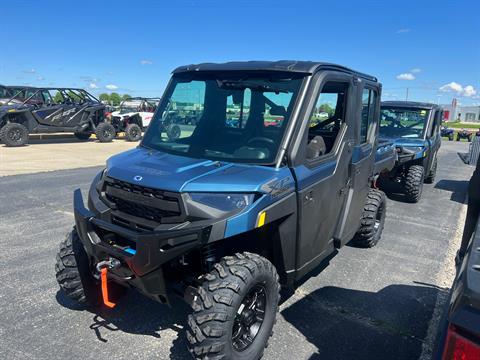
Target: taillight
{"x":458,"y":347}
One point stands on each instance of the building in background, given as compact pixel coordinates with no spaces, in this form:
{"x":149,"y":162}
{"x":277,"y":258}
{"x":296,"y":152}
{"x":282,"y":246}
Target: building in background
{"x":455,"y":112}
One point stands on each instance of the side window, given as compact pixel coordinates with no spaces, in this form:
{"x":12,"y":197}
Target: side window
{"x":276,"y":108}
{"x":368,"y":112}
{"x":437,"y":120}
{"x":326,"y":120}
{"x":238,"y":108}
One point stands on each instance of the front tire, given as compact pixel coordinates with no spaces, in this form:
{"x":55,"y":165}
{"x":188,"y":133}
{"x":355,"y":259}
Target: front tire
{"x":235,"y":309}
{"x":72,"y":271}
{"x":133,"y":132}
{"x":372,"y":221}
{"x":105,"y":132}
{"x":14,"y":134}
{"x":414,"y":183}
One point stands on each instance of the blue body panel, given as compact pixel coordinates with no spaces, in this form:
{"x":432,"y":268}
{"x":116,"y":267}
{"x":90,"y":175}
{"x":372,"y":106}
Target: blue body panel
{"x":423,"y":145}
{"x":174,"y":173}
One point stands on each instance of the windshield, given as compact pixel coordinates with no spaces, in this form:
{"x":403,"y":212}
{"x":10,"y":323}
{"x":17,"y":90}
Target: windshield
{"x":238,"y":119}
{"x":127,"y":109}
{"x":403,"y":122}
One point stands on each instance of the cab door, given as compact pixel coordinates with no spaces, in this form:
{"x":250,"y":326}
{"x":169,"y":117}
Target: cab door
{"x":363,"y":159}
{"x":324,"y":175}
{"x":50,"y":112}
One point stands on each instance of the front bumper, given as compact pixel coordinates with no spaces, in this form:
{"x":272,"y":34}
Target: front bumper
{"x":141,"y":254}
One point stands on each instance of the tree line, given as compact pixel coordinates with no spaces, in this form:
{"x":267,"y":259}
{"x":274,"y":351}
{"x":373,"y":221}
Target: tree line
{"x":113,"y":98}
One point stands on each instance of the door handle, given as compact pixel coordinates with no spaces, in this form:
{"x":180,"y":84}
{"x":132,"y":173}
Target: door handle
{"x":308,"y":197}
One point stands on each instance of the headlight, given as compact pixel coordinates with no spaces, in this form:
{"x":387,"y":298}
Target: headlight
{"x":216,"y":205}
{"x":415,"y":149}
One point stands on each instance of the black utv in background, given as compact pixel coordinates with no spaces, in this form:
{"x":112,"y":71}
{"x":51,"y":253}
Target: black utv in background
{"x":459,"y":332}
{"x":49,"y":110}
{"x":414,"y":128}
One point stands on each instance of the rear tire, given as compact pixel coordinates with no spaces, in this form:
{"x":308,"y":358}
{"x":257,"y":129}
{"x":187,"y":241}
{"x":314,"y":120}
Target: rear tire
{"x":450,"y":137}
{"x":82,"y":136}
{"x":133,"y":132}
{"x":414,"y":183}
{"x":433,"y":172}
{"x":105,"y":132}
{"x":372,"y":221}
{"x":238,"y":300}
{"x":14,"y":134}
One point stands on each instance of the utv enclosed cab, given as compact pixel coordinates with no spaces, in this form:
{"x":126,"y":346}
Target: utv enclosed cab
{"x":47,"y":110}
{"x":214,"y":214}
{"x":415,"y":129}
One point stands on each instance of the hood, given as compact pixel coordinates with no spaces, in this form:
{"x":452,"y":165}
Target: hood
{"x":405,"y":141}
{"x":169,"y":172}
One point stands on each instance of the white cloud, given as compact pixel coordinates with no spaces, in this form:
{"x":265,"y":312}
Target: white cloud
{"x":467,"y":91}
{"x":30,"y":71}
{"x":146,"y":62}
{"x":403,"y":31}
{"x":416,"y":70}
{"x":111,"y":87}
{"x":40,"y":78}
{"x":406,"y":76}
{"x":93,"y":85}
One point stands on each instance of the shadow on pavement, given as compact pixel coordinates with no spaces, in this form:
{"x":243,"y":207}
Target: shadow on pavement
{"x":136,"y":314}
{"x":458,"y":188}
{"x":393,"y":190}
{"x":352,"y":324}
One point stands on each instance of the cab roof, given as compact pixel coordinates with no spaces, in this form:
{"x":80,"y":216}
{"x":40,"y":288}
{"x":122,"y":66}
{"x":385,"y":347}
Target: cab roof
{"x":410,"y":104}
{"x":292,"y":66}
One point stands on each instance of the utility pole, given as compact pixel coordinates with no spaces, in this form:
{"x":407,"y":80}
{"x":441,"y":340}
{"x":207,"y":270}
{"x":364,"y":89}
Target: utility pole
{"x":406,"y":97}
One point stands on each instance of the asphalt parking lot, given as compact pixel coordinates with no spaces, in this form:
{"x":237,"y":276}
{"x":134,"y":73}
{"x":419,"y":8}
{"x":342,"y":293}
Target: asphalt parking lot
{"x":380,"y":303}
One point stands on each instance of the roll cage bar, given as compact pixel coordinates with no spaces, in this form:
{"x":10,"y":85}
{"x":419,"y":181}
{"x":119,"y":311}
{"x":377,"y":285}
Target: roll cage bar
{"x":69,"y":95}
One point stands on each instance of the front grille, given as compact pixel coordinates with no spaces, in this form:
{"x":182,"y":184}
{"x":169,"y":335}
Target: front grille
{"x":153,"y":205}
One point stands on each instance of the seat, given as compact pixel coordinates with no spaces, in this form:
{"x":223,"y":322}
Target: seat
{"x":316,"y":147}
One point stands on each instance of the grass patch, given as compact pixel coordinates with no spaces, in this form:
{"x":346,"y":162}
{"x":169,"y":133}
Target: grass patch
{"x":459,"y":125}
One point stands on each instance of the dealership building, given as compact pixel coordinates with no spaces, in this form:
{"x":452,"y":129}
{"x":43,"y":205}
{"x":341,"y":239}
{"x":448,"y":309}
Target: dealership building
{"x":469,"y":114}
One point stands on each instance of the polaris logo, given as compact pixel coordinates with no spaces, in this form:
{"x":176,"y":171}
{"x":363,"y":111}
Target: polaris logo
{"x":138,"y":178}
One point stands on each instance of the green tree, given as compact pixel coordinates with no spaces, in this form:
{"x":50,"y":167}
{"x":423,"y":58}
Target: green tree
{"x":115,"y":99}
{"x":104,"y":97}
{"x":58,"y":98}
{"x":126,"y":97}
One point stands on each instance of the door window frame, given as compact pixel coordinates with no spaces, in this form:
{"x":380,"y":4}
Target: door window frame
{"x":297,"y":150}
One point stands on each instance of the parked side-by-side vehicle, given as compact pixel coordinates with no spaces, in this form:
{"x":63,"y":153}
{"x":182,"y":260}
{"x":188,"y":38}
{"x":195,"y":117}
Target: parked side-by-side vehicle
{"x":415,"y":130}
{"x":233,"y":208}
{"x":46,"y":110}
{"x":134,"y":116}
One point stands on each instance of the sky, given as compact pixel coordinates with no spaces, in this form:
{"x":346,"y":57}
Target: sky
{"x":431,"y":48}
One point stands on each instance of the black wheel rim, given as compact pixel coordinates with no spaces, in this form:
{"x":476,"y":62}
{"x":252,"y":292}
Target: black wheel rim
{"x":249,"y":318}
{"x":15,"y":135}
{"x":134,"y":133}
{"x":378,"y":219}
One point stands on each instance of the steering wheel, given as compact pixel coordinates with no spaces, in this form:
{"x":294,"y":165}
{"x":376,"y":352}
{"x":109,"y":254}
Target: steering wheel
{"x":260,"y":139}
